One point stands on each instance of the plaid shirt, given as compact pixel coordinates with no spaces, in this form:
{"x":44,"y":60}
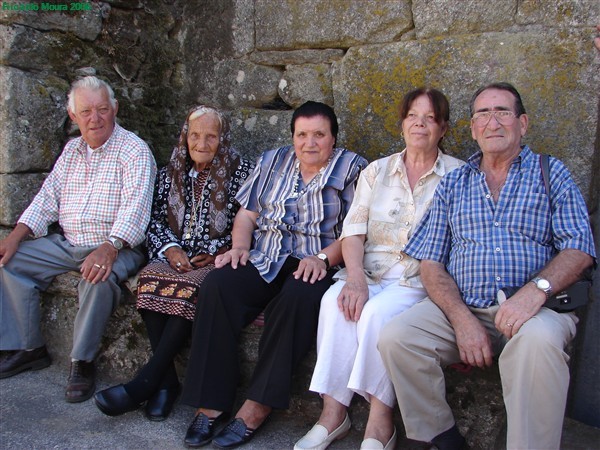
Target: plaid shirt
{"x":303,"y":226}
{"x":487,"y":246}
{"x":109,"y":196}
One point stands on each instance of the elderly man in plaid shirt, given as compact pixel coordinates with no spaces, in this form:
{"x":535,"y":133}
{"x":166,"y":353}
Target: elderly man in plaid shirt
{"x":492,"y":225}
{"x":100,"y":192}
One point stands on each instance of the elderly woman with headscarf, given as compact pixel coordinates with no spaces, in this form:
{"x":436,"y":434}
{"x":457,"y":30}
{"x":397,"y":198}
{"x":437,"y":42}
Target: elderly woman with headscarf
{"x":192,"y":217}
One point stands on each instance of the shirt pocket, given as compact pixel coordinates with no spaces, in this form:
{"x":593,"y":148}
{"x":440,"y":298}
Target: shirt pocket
{"x":530,"y":218}
{"x":104,"y":202}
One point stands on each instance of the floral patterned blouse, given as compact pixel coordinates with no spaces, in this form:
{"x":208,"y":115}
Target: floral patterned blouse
{"x":160,"y":233}
{"x":387,"y":211}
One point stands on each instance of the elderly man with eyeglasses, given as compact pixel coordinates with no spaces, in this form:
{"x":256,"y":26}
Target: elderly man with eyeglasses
{"x":100,"y":192}
{"x":491,"y":226}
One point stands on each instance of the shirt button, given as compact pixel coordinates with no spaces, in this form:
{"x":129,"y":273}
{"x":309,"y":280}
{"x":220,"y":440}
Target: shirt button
{"x":420,"y":183}
{"x":407,"y":223}
{"x":487,"y":196}
{"x":496,"y":224}
{"x":497,"y":249}
{"x":498,"y":278}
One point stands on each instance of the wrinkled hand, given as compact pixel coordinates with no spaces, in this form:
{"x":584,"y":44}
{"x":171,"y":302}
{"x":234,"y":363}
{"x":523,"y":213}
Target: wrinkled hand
{"x":98,"y":264}
{"x":352,"y":299}
{"x":234,"y":257}
{"x":202,"y":260}
{"x":311,"y":269}
{"x":178,"y":259}
{"x":473,"y":342}
{"x":518,"y":309}
{"x":8,"y":247}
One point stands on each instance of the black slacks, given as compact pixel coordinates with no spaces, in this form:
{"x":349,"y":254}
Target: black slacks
{"x":228,"y":301}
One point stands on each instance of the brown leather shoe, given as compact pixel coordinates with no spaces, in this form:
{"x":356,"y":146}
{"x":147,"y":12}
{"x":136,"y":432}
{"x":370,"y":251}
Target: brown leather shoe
{"x":17,"y":361}
{"x":82,"y":382}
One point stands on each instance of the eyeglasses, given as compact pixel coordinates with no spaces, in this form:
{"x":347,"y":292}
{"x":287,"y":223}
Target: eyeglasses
{"x":503,"y":117}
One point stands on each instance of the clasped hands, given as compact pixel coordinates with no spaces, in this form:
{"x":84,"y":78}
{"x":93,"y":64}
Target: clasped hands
{"x":180,"y":261}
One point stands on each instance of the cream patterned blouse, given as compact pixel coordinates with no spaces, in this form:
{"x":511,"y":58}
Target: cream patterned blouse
{"x":387,"y":211}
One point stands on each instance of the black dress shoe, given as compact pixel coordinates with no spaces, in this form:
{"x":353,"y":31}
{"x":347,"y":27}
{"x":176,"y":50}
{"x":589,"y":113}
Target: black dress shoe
{"x":160,"y":405}
{"x":115,"y":401}
{"x":15,"y":362}
{"x":82,"y":381}
{"x":235,"y":433}
{"x":451,"y":439}
{"x":202,"y":429}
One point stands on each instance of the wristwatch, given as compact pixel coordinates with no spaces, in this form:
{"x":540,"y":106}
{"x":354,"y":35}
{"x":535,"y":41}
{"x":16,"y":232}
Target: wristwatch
{"x":323,"y":257}
{"x":543,"y":285}
{"x":116,"y":242}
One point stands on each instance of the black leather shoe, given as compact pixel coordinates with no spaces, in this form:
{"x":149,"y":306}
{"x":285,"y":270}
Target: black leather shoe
{"x":202,"y":429}
{"x":451,"y":439}
{"x":82,"y":381}
{"x":115,"y":401}
{"x":235,"y":433}
{"x":18,"y":361}
{"x":160,"y":405}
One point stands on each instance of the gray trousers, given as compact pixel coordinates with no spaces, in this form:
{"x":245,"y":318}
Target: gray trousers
{"x":418,"y":343}
{"x":33,"y":268}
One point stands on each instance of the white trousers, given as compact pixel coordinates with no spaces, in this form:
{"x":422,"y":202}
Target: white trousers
{"x":347,"y":357}
{"x":533,"y":367}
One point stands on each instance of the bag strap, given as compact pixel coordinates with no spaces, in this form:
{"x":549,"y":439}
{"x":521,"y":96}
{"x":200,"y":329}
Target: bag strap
{"x":545,"y":166}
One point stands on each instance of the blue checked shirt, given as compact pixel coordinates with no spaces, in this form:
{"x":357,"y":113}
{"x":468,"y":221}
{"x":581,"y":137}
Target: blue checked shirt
{"x":486,"y":246}
{"x":302,"y":226}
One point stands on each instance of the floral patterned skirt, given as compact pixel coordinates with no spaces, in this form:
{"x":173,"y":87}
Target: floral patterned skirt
{"x":162,"y":289}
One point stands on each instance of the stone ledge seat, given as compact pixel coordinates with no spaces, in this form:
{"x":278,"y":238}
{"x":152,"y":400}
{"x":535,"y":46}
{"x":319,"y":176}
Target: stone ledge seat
{"x":476,"y":397}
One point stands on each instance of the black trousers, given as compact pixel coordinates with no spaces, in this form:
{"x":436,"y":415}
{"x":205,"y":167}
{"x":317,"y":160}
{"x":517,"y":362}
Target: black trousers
{"x":228,"y":301}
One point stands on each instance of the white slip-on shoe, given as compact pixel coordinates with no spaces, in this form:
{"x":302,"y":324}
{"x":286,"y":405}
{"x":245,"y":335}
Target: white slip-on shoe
{"x":319,"y":439}
{"x":374,"y":444}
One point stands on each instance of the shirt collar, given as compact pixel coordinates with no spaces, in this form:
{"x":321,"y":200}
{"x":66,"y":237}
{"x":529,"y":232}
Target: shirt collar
{"x":439,"y":168}
{"x":524,"y":159}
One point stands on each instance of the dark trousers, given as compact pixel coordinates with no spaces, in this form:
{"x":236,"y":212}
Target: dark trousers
{"x":228,"y":301}
{"x":167,"y":335}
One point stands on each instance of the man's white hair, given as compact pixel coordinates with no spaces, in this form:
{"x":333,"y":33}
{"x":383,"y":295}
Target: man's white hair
{"x":93,"y":84}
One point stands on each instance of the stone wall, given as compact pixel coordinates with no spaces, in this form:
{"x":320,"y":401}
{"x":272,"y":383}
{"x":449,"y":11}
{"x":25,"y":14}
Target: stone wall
{"x":257,"y":59}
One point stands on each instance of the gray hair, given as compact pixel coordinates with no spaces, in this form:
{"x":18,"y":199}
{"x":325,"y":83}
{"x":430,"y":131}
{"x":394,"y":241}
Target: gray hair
{"x":93,"y":84}
{"x":202,"y":110}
